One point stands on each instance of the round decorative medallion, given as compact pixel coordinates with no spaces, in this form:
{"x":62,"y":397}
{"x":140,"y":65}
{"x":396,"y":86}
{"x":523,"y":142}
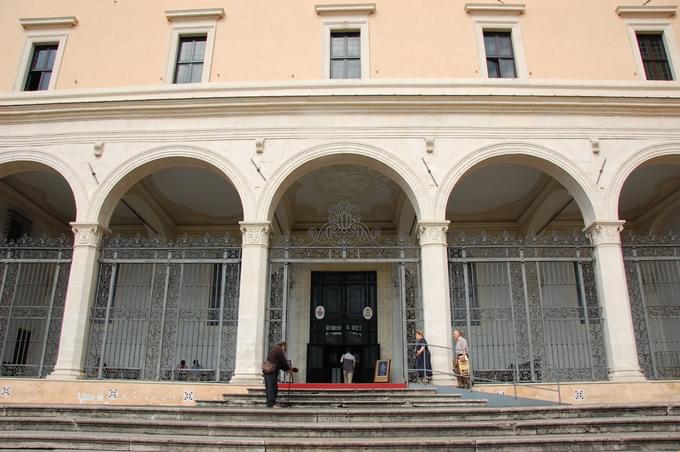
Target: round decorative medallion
{"x":368,"y":313}
{"x":319,"y":312}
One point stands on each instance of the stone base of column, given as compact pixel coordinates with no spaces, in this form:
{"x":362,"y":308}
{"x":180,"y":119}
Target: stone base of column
{"x":626,"y":375}
{"x":247,"y":380}
{"x":66,"y":374}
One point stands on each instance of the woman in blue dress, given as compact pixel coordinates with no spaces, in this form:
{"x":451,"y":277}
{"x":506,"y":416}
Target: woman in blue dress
{"x":423,"y":362}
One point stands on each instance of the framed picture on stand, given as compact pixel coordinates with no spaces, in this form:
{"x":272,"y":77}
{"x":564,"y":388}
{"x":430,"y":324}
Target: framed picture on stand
{"x":382,"y":371}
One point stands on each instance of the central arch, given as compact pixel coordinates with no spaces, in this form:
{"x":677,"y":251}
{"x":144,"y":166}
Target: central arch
{"x":309,"y":160}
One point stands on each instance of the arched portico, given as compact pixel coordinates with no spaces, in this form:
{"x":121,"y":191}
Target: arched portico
{"x":538,"y":213}
{"x":152,"y":194}
{"x":366,"y":187}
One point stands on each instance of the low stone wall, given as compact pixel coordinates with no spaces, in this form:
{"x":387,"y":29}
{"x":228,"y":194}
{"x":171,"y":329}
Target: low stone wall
{"x":592,"y":392}
{"x":111,"y":392}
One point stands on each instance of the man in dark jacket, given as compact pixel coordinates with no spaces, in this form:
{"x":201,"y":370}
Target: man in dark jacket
{"x":277,"y":359}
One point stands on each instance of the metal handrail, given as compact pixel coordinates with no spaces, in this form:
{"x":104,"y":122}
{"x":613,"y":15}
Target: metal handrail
{"x":488,"y":380}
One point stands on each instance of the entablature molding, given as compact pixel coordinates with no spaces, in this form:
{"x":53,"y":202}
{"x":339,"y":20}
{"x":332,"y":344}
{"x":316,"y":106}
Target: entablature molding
{"x":345,"y":8}
{"x":495,"y":8}
{"x":32,"y":23}
{"x":195,"y":14}
{"x":647,"y":10}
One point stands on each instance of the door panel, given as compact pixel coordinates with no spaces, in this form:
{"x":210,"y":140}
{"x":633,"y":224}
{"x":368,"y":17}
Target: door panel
{"x":343,"y":297}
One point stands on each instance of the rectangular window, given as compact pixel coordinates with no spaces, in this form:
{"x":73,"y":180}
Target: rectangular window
{"x":190,"y":56}
{"x":345,"y":55}
{"x":654,"y":57}
{"x":40,"y":69}
{"x":500,"y":58}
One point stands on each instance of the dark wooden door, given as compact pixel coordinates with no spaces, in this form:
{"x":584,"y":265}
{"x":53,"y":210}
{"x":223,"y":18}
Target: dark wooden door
{"x":343,"y":315}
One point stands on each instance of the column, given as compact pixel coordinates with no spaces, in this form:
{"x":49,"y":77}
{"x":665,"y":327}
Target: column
{"x":435,"y":292}
{"x":252,"y":302}
{"x":82,"y":285}
{"x":612,"y":293}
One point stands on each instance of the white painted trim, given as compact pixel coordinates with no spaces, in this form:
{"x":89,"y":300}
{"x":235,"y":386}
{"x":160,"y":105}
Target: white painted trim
{"x":352,"y":8}
{"x":501,"y":24}
{"x":195,"y":14}
{"x":359,"y":24}
{"x":48,"y":22}
{"x":669,"y":41}
{"x":651,"y":10}
{"x":38,"y":38}
{"x":179,"y":30}
{"x":495,"y":8}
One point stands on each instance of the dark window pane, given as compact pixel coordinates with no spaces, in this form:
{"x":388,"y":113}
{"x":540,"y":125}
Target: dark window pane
{"x":40,"y":70}
{"x":353,"y":69}
{"x":199,"y":50}
{"x":345,"y":55}
{"x":183,"y":73}
{"x":492,"y":68}
{"x":185,"y":51}
{"x":654,"y":58}
{"x":505,"y":46}
{"x":196,"y":73}
{"x":507,"y":68}
{"x":337,"y":69}
{"x":337,"y":47}
{"x":490,"y":44}
{"x":353,"y":46}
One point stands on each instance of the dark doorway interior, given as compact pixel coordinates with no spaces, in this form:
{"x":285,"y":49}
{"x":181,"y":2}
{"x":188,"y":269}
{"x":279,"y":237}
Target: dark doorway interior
{"x":343,"y":315}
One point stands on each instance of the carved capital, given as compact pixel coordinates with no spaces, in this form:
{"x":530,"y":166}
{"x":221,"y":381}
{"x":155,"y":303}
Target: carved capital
{"x":433,"y":233}
{"x":605,"y":232}
{"x":87,"y":234}
{"x":255,"y":233}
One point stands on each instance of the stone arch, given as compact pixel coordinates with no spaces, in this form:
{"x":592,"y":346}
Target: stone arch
{"x":658,"y":153}
{"x":148,"y":162}
{"x":19,"y":161}
{"x":308,"y":160}
{"x":546,"y":160}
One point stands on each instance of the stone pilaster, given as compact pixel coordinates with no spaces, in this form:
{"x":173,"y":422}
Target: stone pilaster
{"x":612,"y":293}
{"x":435,"y":293}
{"x":252,"y":302}
{"x":82,"y":284}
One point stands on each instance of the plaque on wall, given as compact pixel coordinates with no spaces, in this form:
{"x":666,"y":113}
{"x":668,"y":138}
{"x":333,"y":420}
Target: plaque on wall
{"x":368,"y":313}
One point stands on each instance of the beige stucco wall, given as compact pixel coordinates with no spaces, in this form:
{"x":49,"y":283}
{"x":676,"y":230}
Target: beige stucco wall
{"x":121,"y":43}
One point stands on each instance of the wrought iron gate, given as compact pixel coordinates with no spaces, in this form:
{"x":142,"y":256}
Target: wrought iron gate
{"x":653,"y":277}
{"x":33,"y":278}
{"x":528,"y":306}
{"x":345,"y":239}
{"x":165,"y":310}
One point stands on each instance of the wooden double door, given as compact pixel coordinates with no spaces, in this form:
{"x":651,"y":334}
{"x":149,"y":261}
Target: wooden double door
{"x":343,"y":316}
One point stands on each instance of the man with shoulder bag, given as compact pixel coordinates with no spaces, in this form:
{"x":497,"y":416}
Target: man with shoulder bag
{"x":276,"y":361}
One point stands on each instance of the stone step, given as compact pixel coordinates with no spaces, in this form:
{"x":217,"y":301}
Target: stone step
{"x":41,"y":439}
{"x":347,"y":415}
{"x":398,"y":428}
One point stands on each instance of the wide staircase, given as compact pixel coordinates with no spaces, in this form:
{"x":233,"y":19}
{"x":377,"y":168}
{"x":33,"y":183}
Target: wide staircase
{"x":415,"y":419}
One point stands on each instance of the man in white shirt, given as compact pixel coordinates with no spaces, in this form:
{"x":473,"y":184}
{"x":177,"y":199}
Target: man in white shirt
{"x":348,"y":363}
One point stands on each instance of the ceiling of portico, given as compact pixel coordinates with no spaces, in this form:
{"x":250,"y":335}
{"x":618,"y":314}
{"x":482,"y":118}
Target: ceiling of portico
{"x":501,"y":197}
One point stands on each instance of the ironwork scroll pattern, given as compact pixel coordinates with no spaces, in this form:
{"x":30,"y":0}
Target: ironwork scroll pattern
{"x":658,"y":354}
{"x":413,"y":309}
{"x":530,"y":321}
{"x":275,"y":308}
{"x":158,"y":318}
{"x":43,"y":319}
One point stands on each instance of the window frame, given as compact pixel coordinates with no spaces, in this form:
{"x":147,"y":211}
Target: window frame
{"x":501,"y":25}
{"x":187,"y":30}
{"x":346,"y":25}
{"x":668,"y":38}
{"x":34,"y":40}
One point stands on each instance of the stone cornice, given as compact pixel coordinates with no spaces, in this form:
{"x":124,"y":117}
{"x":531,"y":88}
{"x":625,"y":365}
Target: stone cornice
{"x":644,"y":11}
{"x":346,"y":8}
{"x":31,"y":23}
{"x":495,"y":8}
{"x":195,"y":14}
{"x":623,"y":98}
